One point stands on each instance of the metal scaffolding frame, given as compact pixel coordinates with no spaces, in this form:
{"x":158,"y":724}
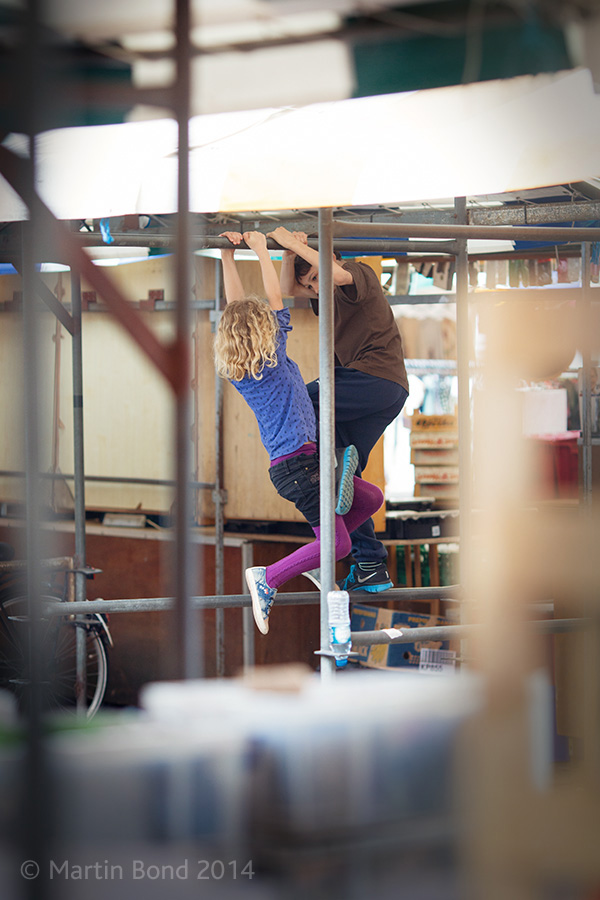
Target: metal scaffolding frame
{"x":174,"y":364}
{"x":376,"y":234}
{"x":326,"y":243}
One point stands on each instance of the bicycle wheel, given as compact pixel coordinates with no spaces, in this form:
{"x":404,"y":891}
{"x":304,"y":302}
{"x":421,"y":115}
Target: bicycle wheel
{"x":58,"y":665}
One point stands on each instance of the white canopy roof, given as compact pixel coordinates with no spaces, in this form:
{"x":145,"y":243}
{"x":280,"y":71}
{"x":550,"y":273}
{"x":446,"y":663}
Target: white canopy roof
{"x":482,"y":138}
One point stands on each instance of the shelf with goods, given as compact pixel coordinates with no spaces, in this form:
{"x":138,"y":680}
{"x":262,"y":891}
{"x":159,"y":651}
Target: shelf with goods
{"x":434,"y":454}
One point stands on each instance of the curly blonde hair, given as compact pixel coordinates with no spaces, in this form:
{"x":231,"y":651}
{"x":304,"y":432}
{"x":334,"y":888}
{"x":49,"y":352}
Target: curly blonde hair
{"x":246,"y":339}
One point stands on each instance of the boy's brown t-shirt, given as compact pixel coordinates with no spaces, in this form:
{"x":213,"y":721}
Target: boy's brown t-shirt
{"x":366,"y":336}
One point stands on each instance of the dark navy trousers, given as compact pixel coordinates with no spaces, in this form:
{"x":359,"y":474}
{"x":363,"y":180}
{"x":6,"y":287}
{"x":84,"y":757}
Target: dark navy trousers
{"x":364,"y":407}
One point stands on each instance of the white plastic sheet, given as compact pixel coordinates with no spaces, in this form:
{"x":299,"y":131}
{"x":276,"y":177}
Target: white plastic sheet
{"x":489,"y":137}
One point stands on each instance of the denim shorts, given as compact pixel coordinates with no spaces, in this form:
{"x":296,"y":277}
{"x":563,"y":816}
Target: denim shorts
{"x":297,"y":480}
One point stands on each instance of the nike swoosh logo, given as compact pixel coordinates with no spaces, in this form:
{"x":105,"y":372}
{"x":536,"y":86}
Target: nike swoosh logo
{"x":362,"y":580}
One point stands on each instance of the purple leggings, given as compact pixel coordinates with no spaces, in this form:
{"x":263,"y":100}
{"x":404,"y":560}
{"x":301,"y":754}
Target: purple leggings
{"x":367,"y":500}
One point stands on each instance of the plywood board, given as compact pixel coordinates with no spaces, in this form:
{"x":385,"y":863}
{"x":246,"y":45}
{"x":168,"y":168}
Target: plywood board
{"x":128,"y":415}
{"x":12,"y":422}
{"x":11,"y":405}
{"x":374,"y":472}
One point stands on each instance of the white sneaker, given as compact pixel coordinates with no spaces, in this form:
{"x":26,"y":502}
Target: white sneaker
{"x":315,"y":576}
{"x":262,"y":596}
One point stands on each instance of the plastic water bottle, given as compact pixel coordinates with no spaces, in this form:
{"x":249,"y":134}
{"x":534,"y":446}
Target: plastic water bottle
{"x":338,"y":606}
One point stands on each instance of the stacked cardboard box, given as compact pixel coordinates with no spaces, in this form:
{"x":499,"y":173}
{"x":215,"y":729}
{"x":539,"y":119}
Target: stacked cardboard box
{"x":434,"y":454}
{"x":391,"y":656}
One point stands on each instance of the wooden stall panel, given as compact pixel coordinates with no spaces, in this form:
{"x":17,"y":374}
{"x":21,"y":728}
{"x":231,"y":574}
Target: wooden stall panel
{"x":128,"y":416}
{"x":128,"y":407}
{"x":12,"y":426}
{"x":11,"y":405}
{"x":141,"y":282}
{"x":374,"y":472}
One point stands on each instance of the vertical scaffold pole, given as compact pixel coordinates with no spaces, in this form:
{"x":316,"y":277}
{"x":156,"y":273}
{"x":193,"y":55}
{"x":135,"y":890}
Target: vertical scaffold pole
{"x":326,"y":428}
{"x":186,"y":661}
{"x":586,"y":376}
{"x":218,"y":500}
{"x":79,"y":485}
{"x":37,"y":819}
{"x":463,"y":353}
{"x":247,"y":617}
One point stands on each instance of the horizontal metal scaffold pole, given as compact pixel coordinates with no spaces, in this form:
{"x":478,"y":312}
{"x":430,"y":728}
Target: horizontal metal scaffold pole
{"x":359,"y":638}
{"x":457,"y":632}
{"x":59,"y":563}
{"x":349,"y":244}
{"x":476,"y":232}
{"x":110,"y":479}
{"x":152,"y":604}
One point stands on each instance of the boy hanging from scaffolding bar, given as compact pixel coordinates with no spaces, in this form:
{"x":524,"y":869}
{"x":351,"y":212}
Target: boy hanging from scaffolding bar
{"x":250,"y":352}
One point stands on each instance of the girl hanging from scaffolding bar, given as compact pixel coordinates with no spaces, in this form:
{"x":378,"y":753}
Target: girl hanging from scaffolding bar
{"x":250,"y":352}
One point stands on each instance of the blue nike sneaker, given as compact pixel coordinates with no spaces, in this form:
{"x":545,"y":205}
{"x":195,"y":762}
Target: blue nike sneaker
{"x":373,"y":579}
